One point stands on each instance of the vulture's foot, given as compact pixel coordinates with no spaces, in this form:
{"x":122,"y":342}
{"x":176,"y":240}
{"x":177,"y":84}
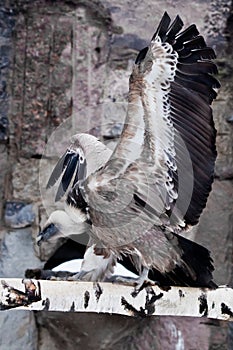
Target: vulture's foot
{"x":128,"y":281}
{"x":81,"y":276}
{"x":138,"y":283}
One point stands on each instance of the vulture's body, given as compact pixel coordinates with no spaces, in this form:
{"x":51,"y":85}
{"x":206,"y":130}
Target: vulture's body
{"x":154,"y":186}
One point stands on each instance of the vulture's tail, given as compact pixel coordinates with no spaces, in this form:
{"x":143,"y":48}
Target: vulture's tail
{"x":195,"y":269}
{"x":200,"y":262}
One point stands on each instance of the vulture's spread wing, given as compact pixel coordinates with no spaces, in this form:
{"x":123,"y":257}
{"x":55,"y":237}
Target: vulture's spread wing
{"x":68,"y":167}
{"x":167,"y":147}
{"x":72,"y":167}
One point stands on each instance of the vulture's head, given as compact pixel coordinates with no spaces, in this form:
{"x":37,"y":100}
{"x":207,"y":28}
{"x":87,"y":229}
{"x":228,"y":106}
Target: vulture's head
{"x":61,"y":225}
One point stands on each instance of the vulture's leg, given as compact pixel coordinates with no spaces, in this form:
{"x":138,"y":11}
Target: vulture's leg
{"x":138,"y":283}
{"x":97,"y":266}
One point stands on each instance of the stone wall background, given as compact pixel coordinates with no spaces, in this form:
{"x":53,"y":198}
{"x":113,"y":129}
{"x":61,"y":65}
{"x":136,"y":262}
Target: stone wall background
{"x":55,"y":58}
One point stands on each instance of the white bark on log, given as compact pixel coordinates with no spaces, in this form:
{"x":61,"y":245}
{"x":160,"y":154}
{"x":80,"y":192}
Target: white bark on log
{"x":111,"y":298}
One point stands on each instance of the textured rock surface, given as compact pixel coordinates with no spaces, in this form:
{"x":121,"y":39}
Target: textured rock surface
{"x":86,"y":331}
{"x":23,"y":335}
{"x":18,"y":215}
{"x":68,"y":54}
{"x":7,"y":22}
{"x":17,"y":253}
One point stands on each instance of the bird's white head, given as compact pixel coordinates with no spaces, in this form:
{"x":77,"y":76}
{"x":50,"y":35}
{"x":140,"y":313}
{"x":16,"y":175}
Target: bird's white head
{"x":60,"y":224}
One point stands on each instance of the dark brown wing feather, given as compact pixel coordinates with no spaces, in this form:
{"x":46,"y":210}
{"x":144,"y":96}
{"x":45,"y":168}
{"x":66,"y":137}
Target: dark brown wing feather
{"x":190,"y":97}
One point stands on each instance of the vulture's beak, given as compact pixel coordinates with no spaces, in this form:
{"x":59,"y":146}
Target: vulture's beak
{"x":48,"y":232}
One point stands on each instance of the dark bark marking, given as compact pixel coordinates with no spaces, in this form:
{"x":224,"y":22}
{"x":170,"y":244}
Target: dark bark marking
{"x":131,"y":308}
{"x":98,"y":291}
{"x":17,"y":298}
{"x":181,"y":294}
{"x":203,"y":306}
{"x":149,"y":308}
{"x":226,"y":310}
{"x":46,"y":304}
{"x":86,"y":299}
{"x":72,"y":308}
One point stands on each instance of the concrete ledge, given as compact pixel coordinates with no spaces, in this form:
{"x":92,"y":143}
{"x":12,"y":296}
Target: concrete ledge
{"x":115,"y":299}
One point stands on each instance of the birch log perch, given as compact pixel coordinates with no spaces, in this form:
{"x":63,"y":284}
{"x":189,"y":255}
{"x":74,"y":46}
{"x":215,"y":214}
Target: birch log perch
{"x":111,"y":298}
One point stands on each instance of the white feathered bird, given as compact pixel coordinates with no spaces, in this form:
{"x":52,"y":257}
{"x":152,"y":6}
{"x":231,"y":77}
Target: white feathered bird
{"x":155,"y":184}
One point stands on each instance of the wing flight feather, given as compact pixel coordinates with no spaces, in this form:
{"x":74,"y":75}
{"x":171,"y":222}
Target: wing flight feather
{"x":172,"y":84}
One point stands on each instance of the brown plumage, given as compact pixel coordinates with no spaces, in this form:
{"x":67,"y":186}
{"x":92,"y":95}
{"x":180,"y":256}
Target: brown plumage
{"x":157,"y":181}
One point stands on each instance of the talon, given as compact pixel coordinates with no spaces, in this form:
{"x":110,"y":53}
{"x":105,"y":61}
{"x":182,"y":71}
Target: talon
{"x":147,"y":283}
{"x":80,"y":276}
{"x":128,"y":281}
